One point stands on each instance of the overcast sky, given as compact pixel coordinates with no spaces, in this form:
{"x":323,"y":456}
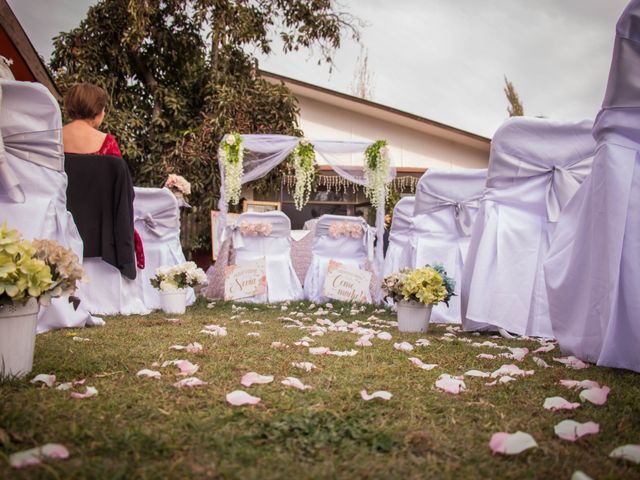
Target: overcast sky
{"x":441,"y":59}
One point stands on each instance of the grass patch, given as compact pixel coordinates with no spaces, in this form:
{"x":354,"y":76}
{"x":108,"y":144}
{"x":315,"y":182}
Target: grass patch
{"x":143,"y":428}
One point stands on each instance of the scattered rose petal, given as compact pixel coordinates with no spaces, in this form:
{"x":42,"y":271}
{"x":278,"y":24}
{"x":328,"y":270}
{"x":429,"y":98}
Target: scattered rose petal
{"x":540,"y":362}
{"x":578,"y":385}
{"x":173,"y":320}
{"x":578,"y":475}
{"x":186,"y":367}
{"x":346,"y":353}
{"x":306,"y":366}
{"x":48,"y":380}
{"x":597,"y":396}
{"x":486,"y":356}
{"x":559,"y":403}
{"x":148,"y":373}
{"x":572,"y":430}
{"x":476,"y":373}
{"x":319,"y":350}
{"x":511,"y":443}
{"x":627,"y":452}
{"x":89,"y":392}
{"x":279,"y":345}
{"x":511,"y":370}
{"x":422,"y":342}
{"x":194,"y":347}
{"x":450,"y":384}
{"x":384,"y":336}
{"x":403,"y":346}
{"x":250,"y":378}
{"x":572,"y":362}
{"x":238,"y":398}
{"x":420,"y":364}
{"x":545,"y":348}
{"x":295,"y":383}
{"x":34,"y":456}
{"x":189,"y":382}
{"x":382,"y":394}
{"x":214,"y":330}
{"x":69,"y":385}
{"x":253,"y":334}
{"x":364,"y":341}
{"x":81,"y":339}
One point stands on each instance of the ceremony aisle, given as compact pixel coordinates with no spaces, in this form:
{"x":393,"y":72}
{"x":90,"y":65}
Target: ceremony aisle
{"x":318,"y":424}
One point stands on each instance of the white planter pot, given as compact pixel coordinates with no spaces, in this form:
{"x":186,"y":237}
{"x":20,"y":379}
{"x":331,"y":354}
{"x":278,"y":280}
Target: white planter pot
{"x":17,"y":338}
{"x":174,"y":302}
{"x":413,"y":316}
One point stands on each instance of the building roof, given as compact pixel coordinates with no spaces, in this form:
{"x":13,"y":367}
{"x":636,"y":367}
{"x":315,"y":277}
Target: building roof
{"x":380,"y":111}
{"x":15,"y":45}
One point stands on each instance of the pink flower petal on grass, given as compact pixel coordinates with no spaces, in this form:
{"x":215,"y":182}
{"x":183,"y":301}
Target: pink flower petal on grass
{"x":449,"y":384}
{"x":597,"y":396}
{"x":381,"y":394}
{"x":279,"y":345}
{"x":420,"y":364}
{"x":364,"y":341}
{"x":252,"y":377}
{"x":403,"y":346}
{"x":186,"y":367}
{"x":540,"y":362}
{"x":194,"y":347}
{"x":48,"y":380}
{"x":422,"y":342}
{"x":306,"y":366}
{"x":559,"y":403}
{"x":189,"y":382}
{"x":215,"y":330}
{"x":384,"y":336}
{"x":145,"y":372}
{"x":346,"y":353}
{"x":511,"y":443}
{"x":486,"y":356}
{"x":238,"y":398}
{"x":578,"y":475}
{"x":89,"y":392}
{"x":571,"y":362}
{"x":627,"y":452}
{"x":476,"y":373}
{"x":578,"y":385}
{"x":545,"y":348}
{"x":295,"y":383}
{"x":511,"y":370}
{"x":34,"y":456}
{"x":319,"y":350}
{"x":253,"y":334}
{"x":572,"y":430}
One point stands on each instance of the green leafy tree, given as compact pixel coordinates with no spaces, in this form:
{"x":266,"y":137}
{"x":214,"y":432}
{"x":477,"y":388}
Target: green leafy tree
{"x":180,"y":74}
{"x":515,"y":107}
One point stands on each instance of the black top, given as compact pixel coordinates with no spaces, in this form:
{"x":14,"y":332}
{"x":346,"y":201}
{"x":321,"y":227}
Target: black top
{"x":100,"y":198}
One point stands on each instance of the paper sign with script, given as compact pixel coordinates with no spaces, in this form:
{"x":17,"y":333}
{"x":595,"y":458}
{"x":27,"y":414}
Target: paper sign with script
{"x":347,"y":283}
{"x":248,"y":280}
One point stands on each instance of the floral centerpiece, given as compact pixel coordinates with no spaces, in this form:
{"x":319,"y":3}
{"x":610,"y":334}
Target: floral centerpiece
{"x":172,"y":282}
{"x":231,"y":154}
{"x":376,"y":171}
{"x":304,"y":166}
{"x":416,"y":292}
{"x":178,"y":185}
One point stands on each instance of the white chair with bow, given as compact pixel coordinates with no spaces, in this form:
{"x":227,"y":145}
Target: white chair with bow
{"x":267,"y":236}
{"x":347,"y":240}
{"x":157,"y":220}
{"x":33,"y":184}
{"x":446,"y":206}
{"x":401,"y":237}
{"x":536,"y":165}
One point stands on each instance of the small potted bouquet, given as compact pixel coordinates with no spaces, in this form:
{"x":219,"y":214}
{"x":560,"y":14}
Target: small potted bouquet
{"x":416,"y":292}
{"x":31,"y":273}
{"x":179,"y":187}
{"x":172,"y":283}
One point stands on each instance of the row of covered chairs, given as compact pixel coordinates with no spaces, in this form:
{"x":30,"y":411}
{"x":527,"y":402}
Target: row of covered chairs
{"x":491,"y":228}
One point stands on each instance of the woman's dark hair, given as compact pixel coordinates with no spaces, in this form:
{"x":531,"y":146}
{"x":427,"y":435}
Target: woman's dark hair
{"x":84,"y":101}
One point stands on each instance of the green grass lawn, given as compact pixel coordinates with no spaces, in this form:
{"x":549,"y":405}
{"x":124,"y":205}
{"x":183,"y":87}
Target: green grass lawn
{"x":146,"y":428}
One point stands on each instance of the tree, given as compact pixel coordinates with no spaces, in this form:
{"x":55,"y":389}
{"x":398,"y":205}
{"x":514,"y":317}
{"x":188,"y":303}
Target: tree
{"x":515,"y":107}
{"x":180,"y":76}
{"x":362,"y":85}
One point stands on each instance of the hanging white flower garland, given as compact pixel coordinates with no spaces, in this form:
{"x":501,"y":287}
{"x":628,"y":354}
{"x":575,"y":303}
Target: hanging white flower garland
{"x":231,"y":152}
{"x":376,"y":171}
{"x":304,"y":159}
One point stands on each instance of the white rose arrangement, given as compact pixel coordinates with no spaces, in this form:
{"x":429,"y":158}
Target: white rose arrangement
{"x":169,"y":279}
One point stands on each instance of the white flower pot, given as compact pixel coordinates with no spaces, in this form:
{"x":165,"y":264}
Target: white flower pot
{"x":174,"y":302}
{"x":17,"y":338}
{"x":413,"y":316}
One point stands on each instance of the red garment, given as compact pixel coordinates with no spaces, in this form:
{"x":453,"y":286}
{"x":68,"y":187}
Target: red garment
{"x":109,"y":147}
{"x":139,"y":248}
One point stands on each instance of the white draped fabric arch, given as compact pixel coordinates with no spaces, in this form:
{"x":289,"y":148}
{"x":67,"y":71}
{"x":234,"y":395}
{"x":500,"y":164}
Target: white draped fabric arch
{"x":263,"y":153}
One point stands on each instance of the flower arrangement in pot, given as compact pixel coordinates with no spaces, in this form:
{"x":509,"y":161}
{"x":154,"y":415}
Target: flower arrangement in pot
{"x":416,"y":292}
{"x":172,"y":283}
{"x":180,"y":188}
{"x":31,"y":273}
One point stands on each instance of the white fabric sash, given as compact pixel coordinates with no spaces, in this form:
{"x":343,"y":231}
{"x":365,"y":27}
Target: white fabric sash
{"x":42,"y":148}
{"x":166,"y":218}
{"x":322,"y":229}
{"x":563,"y":181}
{"x":431,"y":202}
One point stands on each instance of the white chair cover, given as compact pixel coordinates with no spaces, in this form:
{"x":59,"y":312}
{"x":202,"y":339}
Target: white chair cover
{"x":445,"y":209}
{"x":353,"y":252}
{"x":535,"y":167}
{"x":33,"y":184}
{"x":157,"y":219}
{"x":592,"y":269}
{"x":282,"y":282}
{"x":401,"y":237}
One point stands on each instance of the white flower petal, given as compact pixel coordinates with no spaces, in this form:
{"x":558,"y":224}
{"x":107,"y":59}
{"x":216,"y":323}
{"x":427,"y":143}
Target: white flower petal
{"x":48,"y":380}
{"x":34,"y":456}
{"x":295,"y":383}
{"x":89,"y":392}
{"x":252,"y":377}
{"x":559,"y":403}
{"x":627,"y":452}
{"x":572,"y":430}
{"x":238,"y":398}
{"x":511,"y":443}
{"x":148,"y":373}
{"x":381,"y":394}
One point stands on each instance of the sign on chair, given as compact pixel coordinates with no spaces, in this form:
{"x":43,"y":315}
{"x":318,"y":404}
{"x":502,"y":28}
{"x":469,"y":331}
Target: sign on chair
{"x":242,"y":281}
{"x":346,"y":283}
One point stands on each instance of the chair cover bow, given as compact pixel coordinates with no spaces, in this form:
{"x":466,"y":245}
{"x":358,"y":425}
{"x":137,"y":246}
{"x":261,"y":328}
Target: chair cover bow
{"x":563,"y":181}
{"x":166,"y":218}
{"x":42,"y":148}
{"x":235,"y":231}
{"x":432,"y":202}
